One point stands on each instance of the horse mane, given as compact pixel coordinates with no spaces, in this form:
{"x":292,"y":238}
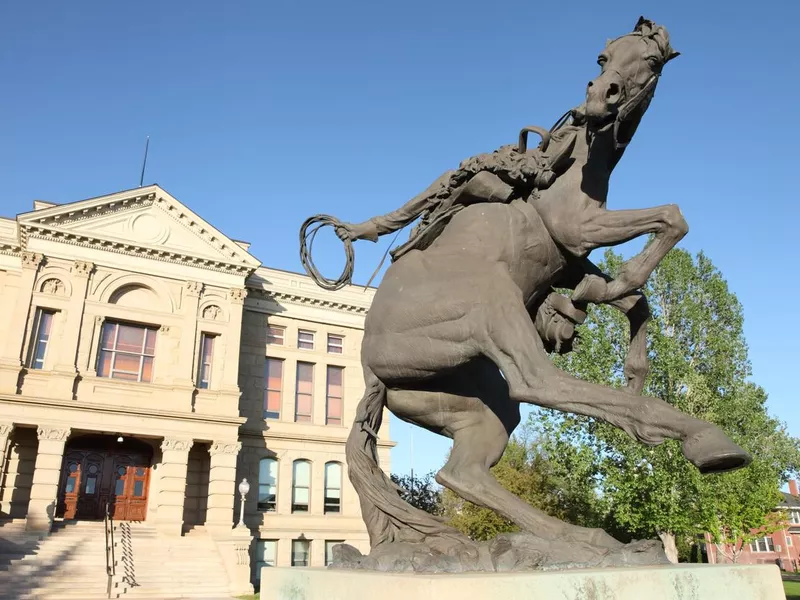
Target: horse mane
{"x":656,"y":33}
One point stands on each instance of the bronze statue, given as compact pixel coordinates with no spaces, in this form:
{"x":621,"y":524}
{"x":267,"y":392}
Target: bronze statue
{"x":459,"y":329}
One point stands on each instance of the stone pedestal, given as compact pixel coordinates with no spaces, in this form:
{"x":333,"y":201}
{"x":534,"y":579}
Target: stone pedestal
{"x":172,"y":485}
{"x":674,"y":582}
{"x":5,"y":433}
{"x":234,"y":548}
{"x":46,"y":474}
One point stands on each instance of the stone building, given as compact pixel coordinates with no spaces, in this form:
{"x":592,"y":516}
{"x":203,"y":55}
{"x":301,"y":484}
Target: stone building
{"x":148,"y":363}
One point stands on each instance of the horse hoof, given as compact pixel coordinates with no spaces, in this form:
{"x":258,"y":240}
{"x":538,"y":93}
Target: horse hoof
{"x":711,"y":451}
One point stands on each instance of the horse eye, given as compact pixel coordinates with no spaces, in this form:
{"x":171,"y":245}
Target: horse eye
{"x":601,"y":60}
{"x":653,"y":61}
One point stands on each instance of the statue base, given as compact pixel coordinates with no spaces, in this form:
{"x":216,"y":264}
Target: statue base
{"x":674,"y":582}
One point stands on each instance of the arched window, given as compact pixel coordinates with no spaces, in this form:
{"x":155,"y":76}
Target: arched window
{"x":301,"y":486}
{"x":267,"y":484}
{"x":333,"y":487}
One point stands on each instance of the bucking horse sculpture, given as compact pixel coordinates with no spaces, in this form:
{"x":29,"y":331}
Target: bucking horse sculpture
{"x":461,"y":324}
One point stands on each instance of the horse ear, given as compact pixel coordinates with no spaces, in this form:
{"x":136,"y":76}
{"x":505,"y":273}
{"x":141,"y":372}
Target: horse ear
{"x":671,"y":56}
{"x":642,"y":23}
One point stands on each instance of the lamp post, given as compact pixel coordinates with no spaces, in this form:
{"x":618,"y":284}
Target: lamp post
{"x":244,"y":488}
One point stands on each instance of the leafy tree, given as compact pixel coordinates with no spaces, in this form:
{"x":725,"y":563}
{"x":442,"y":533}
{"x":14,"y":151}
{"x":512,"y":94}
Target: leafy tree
{"x":524,"y":471}
{"x":421,"y":492}
{"x":698,"y":364}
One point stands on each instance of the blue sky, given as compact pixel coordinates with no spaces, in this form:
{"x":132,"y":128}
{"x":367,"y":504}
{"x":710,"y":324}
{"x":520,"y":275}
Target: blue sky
{"x":262,"y":114}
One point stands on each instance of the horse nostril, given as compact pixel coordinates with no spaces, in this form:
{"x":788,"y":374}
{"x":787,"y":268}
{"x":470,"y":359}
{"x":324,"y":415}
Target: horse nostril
{"x":613,"y":90}
{"x":591,"y":83}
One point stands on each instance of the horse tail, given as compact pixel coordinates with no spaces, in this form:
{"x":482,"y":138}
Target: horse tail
{"x":387,"y":516}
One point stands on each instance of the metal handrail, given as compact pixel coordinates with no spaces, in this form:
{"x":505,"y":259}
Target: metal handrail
{"x":111,"y":565}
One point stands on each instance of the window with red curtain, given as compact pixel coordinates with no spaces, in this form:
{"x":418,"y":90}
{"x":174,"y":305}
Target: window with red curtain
{"x":273,"y":377}
{"x":333,"y":400}
{"x":305,"y":392}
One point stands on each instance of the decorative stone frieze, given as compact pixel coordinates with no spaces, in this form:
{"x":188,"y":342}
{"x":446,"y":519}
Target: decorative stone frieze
{"x":53,"y":434}
{"x":212,"y":312}
{"x":169,"y":444}
{"x":225,"y":448}
{"x":82,"y":268}
{"x":238,"y":295}
{"x":31,"y":260}
{"x":54,"y":286}
{"x":194,"y":288}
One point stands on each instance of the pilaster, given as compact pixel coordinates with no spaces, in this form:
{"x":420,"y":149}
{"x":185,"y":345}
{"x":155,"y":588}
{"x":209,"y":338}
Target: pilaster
{"x":68,"y":352}
{"x":193,"y":290}
{"x":222,"y":490}
{"x":46,"y":475}
{"x":11,"y":349}
{"x":230,"y":375}
{"x":172,"y":485}
{"x":5,"y":433}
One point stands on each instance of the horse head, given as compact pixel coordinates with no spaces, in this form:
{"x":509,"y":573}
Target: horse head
{"x":631,"y":66}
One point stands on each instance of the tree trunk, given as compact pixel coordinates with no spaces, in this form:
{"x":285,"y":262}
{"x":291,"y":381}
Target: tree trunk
{"x":671,"y":550}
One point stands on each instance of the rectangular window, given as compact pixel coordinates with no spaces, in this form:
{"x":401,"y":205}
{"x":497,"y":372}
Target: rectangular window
{"x":266,"y":551}
{"x":305,"y":339}
{"x":333,"y":488}
{"x":273,"y":386}
{"x":333,"y":396}
{"x":764,"y":544}
{"x":275,"y":335}
{"x":206,"y":353}
{"x":329,"y":544}
{"x":127,"y":352}
{"x":267,"y":484}
{"x":300,"y":551}
{"x":301,"y":486}
{"x":335,"y":344}
{"x":42,"y":327}
{"x":794,"y":517}
{"x":788,"y":540}
{"x":304,"y":398}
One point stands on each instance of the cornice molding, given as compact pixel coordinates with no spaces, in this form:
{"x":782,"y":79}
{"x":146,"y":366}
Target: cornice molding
{"x":304,"y":300}
{"x":48,"y":224}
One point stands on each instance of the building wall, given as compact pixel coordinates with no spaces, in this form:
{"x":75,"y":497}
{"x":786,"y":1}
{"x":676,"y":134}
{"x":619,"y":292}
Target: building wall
{"x":142,"y":257}
{"x":293,"y":303}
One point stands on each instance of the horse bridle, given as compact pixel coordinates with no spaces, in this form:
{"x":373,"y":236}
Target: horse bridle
{"x":643,"y":96}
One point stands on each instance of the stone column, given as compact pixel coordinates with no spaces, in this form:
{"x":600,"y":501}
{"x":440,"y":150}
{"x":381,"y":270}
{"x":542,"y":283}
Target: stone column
{"x":46,"y":474}
{"x":191,"y":301}
{"x":230,"y":374}
{"x":222,"y":490}
{"x":11,"y":349}
{"x":67,"y":356}
{"x":172,"y":485}
{"x":5,"y":433}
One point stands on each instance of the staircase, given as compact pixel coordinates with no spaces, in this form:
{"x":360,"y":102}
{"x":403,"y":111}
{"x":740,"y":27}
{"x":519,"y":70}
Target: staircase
{"x":70,"y":563}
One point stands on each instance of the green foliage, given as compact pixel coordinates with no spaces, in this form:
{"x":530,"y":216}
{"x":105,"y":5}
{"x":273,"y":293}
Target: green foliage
{"x":421,"y":492}
{"x":524,"y":471}
{"x":698,"y":364}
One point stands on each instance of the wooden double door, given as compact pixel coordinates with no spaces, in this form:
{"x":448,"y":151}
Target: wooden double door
{"x":97,"y":471}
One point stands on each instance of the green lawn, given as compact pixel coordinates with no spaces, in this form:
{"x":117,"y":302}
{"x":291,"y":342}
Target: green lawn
{"x":255,"y":597}
{"x":792,"y":589}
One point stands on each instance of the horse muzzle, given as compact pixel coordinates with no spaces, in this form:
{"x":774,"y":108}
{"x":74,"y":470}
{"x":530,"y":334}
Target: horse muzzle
{"x":604,"y":96}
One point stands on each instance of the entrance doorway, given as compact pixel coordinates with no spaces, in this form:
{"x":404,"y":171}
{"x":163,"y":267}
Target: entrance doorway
{"x":98,"y":470}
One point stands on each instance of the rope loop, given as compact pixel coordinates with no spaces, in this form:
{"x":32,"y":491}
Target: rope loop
{"x":308,"y":232}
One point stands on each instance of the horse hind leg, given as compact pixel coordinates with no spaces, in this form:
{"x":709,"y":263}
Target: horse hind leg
{"x":473,"y":408}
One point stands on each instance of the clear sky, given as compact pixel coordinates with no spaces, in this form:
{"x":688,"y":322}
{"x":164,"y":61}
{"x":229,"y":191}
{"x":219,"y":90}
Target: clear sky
{"x":264,"y":113}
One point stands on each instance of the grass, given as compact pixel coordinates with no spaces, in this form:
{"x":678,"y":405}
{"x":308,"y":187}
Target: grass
{"x":792,"y":589}
{"x":255,"y":597}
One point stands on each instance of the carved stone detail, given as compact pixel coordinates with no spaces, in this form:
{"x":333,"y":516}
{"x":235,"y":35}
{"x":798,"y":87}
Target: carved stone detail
{"x":82,"y":268}
{"x":54,"y":434}
{"x":194,"y":288}
{"x":179,"y":445}
{"x":242,"y":553}
{"x":31,"y":260}
{"x":212,"y":312}
{"x":5,"y":430}
{"x":238,"y":295}
{"x":164,"y":329}
{"x":54,"y":286}
{"x":225,"y":448}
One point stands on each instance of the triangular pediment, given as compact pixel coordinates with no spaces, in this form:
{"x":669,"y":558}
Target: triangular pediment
{"x":146,"y":221}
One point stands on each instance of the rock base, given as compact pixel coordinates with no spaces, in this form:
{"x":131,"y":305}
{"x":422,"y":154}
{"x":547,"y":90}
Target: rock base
{"x":676,"y":582}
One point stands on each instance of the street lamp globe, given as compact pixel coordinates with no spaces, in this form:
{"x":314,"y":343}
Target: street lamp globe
{"x":244,"y":487}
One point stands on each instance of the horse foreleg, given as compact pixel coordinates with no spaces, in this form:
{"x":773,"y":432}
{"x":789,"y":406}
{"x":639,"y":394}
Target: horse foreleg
{"x":509,"y":338}
{"x":634,"y":306}
{"x":602,"y":228}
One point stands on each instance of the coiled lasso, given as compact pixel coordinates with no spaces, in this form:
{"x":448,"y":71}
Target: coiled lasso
{"x":308,"y":232}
